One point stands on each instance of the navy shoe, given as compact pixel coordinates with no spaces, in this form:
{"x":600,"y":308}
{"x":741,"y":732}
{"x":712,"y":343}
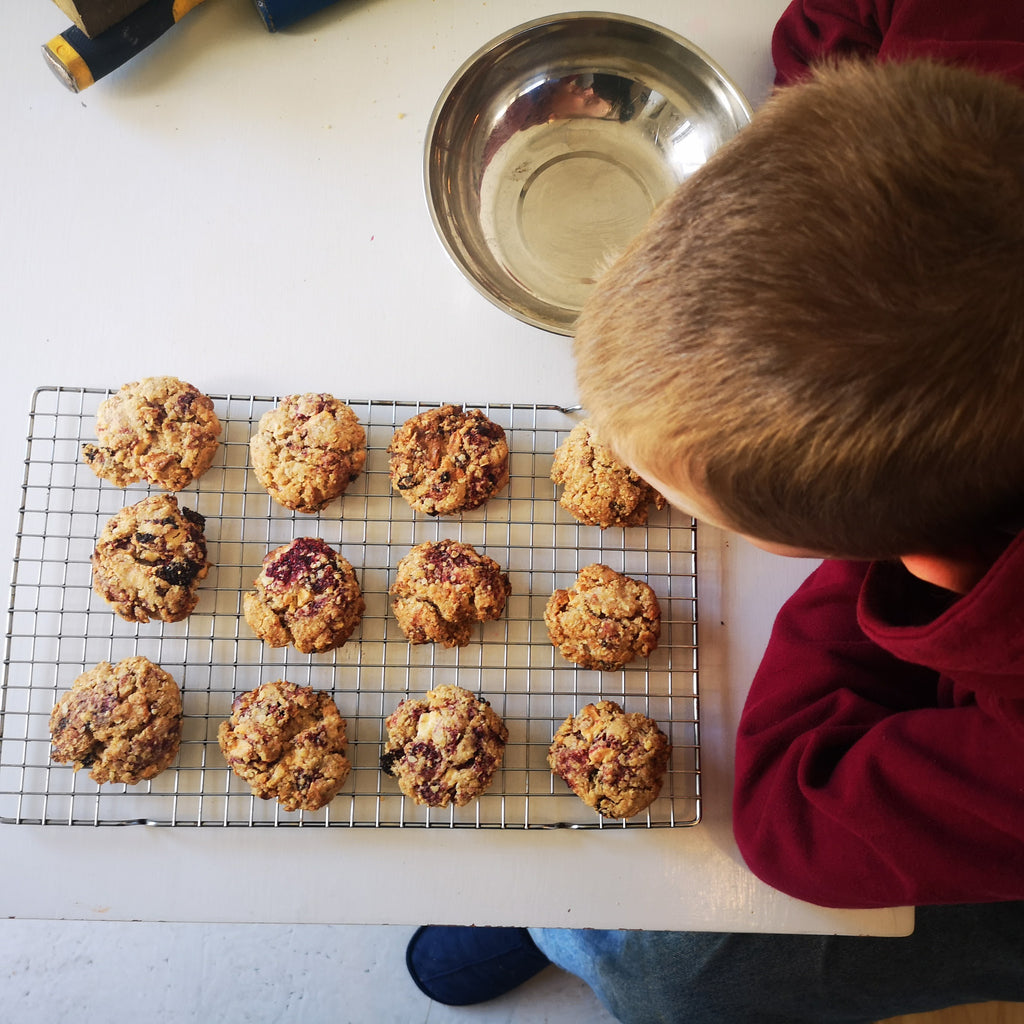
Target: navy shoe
{"x":461,"y":966}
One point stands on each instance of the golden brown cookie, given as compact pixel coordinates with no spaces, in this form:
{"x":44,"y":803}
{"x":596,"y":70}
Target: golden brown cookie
{"x":612,"y":760}
{"x":444,"y":748}
{"x":149,"y":560}
{"x":289,"y":743}
{"x":598,"y":489}
{"x":159,"y":429}
{"x":604,"y":620}
{"x":446,"y":461}
{"x":307,"y":594}
{"x":443,"y":589}
{"x":122,"y":722}
{"x":308,"y":450}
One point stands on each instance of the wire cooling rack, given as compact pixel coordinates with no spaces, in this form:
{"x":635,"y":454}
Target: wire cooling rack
{"x":58,"y":628}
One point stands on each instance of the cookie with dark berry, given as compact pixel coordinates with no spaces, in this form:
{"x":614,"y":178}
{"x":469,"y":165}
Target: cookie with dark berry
{"x":150,"y":559}
{"x":446,"y":461}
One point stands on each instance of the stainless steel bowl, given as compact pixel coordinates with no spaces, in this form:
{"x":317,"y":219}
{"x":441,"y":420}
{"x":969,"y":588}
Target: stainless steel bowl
{"x":550,"y":147}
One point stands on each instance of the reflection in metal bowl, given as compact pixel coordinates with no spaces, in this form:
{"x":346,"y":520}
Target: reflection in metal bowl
{"x":550,"y":148}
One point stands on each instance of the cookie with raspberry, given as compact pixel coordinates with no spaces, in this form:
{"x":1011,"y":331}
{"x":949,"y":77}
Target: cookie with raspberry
{"x":307,"y":450}
{"x":306,"y":595}
{"x":598,"y":489}
{"x":613,"y":760}
{"x":444,"y":748}
{"x":444,"y":589}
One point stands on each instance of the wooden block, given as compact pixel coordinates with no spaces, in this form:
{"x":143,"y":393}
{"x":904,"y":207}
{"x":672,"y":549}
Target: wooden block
{"x":96,"y":16}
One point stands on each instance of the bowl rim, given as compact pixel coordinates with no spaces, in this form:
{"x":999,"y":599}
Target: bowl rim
{"x":565,"y":17}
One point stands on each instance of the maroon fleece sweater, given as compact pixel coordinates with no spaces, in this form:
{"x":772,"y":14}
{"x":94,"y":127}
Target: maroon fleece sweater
{"x":987,"y":35}
{"x":880,"y":754}
{"x":881,"y":762}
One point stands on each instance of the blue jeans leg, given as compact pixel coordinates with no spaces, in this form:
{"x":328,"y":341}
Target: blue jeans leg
{"x":957,"y":954}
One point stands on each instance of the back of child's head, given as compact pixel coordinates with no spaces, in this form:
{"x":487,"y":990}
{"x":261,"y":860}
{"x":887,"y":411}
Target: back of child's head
{"x":822,"y":330}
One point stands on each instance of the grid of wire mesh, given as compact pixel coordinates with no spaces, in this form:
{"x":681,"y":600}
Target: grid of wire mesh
{"x":58,"y":628}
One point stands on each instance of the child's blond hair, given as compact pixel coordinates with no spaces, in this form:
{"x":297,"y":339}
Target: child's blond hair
{"x":822,"y":330}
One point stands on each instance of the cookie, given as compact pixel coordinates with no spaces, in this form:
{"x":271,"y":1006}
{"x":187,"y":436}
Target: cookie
{"x":307,"y":595}
{"x":445,"y":747}
{"x":612,"y":760}
{"x":443,"y":589}
{"x":149,"y":560}
{"x":604,"y":620}
{"x":307,"y":451}
{"x":159,"y":430}
{"x":598,"y":489}
{"x":288,"y":743}
{"x":446,"y":461}
{"x":122,"y":722}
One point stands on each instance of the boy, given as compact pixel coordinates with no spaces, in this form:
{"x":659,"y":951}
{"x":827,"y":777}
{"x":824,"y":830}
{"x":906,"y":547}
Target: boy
{"x":830,"y":361}
{"x":818,"y":342}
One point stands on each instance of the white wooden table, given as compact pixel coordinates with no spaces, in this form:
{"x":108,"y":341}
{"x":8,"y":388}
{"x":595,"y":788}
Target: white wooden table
{"x":246,"y":211}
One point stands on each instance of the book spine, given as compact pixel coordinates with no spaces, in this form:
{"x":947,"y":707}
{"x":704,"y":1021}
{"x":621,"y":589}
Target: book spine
{"x":278,"y":14}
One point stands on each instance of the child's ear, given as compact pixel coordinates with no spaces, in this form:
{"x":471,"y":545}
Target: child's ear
{"x":958,"y":573}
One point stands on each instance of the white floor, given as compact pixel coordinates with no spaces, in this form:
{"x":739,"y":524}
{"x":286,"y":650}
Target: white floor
{"x":57,"y":972}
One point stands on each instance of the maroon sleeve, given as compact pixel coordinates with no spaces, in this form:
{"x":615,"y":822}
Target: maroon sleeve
{"x":811,"y":29}
{"x":854,"y":787}
{"x":984,"y":34}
